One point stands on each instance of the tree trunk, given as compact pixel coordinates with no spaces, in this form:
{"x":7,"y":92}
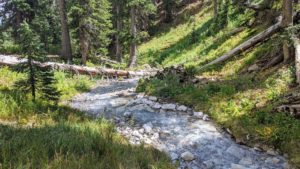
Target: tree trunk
{"x":215,"y":9}
{"x":66,"y":50}
{"x":297,"y":59}
{"x":31,"y":77}
{"x":133,"y":45}
{"x":119,"y":54}
{"x":287,"y":13}
{"x":84,"y":45}
{"x":16,"y":25}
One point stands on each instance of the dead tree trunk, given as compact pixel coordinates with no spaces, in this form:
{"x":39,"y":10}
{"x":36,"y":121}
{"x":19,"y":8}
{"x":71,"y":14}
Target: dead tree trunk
{"x":246,"y":45}
{"x":297,"y":59}
{"x":287,"y":13}
{"x":83,"y":70}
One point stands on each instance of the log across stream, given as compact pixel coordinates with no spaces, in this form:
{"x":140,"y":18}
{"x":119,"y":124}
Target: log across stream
{"x":9,"y":60}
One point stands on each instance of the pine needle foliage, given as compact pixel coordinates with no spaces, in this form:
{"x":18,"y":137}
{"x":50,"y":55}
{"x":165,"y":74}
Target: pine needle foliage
{"x":40,"y":80}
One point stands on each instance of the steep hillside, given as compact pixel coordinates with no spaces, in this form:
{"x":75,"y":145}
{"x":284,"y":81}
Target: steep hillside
{"x":242,"y":94}
{"x":197,"y":39}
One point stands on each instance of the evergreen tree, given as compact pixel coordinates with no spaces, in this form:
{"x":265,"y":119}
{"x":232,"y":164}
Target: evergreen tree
{"x":41,"y":15}
{"x":91,"y":20}
{"x":40,"y":80}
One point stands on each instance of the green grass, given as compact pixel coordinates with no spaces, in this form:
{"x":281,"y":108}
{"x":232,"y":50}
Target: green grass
{"x":42,"y":135}
{"x":83,"y":144}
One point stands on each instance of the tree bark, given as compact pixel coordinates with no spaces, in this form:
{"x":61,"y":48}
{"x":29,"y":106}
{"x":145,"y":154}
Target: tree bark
{"x":119,"y":54}
{"x":133,"y":45}
{"x":66,"y":50}
{"x":84,"y":45}
{"x":287,"y":13}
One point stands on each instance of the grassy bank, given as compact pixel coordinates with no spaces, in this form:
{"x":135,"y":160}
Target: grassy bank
{"x":41,"y":135}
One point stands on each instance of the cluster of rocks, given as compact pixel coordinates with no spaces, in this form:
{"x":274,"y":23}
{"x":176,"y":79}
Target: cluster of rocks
{"x":152,"y":104}
{"x":183,"y":74}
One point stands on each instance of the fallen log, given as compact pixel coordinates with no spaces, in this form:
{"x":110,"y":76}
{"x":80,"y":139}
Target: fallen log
{"x":83,"y":70}
{"x":246,"y":45}
{"x":252,"y":41}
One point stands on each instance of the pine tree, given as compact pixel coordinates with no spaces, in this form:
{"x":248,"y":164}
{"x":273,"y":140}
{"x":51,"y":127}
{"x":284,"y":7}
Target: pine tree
{"x":91,"y":20}
{"x":40,"y":80}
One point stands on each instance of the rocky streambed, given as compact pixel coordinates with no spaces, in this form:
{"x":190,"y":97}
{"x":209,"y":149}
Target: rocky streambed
{"x":186,"y":136}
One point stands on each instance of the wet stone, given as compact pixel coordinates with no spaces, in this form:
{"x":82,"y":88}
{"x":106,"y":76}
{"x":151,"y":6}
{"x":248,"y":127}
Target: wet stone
{"x":187,"y":156}
{"x":169,"y":107}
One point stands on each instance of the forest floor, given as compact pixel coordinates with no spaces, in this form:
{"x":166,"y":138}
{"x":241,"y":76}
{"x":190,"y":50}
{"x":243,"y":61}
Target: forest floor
{"x":189,"y":137}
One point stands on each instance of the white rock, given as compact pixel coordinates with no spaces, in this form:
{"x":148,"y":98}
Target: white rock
{"x":148,"y":127}
{"x":139,"y":107}
{"x":119,"y":102}
{"x":246,"y":161}
{"x":237,"y":166}
{"x":162,"y":111}
{"x":140,"y":95}
{"x":235,"y":151}
{"x":187,"y":156}
{"x":147,"y":141}
{"x":156,"y":106}
{"x":209,"y":164}
{"x":205,"y":117}
{"x":155,"y":136}
{"x":152,"y":98}
{"x":136,"y":134}
{"x":276,"y":160}
{"x":182,"y":108}
{"x":169,"y":107}
{"x":272,"y":152}
{"x":128,"y":114}
{"x":148,"y":102}
{"x":174,"y":156}
{"x":131,"y":103}
{"x":142,"y":130}
{"x":198,"y":115}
